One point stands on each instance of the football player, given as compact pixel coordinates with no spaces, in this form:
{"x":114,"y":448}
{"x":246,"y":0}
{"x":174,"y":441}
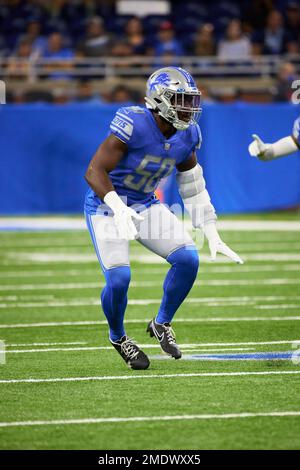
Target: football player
{"x":144,"y":145}
{"x":282,"y":147}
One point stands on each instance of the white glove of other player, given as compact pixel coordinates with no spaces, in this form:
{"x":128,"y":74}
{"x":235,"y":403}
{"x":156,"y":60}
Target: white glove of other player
{"x":123,"y":216}
{"x":259,"y":149}
{"x":216,"y":245}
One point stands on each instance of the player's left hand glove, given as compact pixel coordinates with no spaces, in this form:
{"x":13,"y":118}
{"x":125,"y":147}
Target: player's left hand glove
{"x":259,"y":149}
{"x":124,"y":216}
{"x":216,"y":245}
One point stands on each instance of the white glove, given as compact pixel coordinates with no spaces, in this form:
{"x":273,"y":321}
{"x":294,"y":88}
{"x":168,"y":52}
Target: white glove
{"x":123,"y":216}
{"x":217,"y":246}
{"x":259,"y":149}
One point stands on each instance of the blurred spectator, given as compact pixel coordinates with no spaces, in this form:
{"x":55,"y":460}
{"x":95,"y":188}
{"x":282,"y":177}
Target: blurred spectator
{"x":86,"y":94}
{"x":167,"y":42}
{"x":55,"y":48}
{"x":97,"y":41}
{"x":34,"y":34}
{"x":254,"y":14}
{"x":60,"y":96}
{"x":204,"y":41}
{"x":123,"y":50}
{"x":274,"y":39}
{"x":19,"y":63}
{"x":38,"y":96}
{"x":235,"y":45}
{"x":59,"y":56}
{"x":135,"y":37}
{"x":3,"y":48}
{"x":286,"y":75}
{"x":293,"y":26}
{"x":121,"y":94}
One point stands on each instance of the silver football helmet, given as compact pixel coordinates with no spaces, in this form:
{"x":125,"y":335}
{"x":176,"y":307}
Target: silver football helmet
{"x":173,"y":93}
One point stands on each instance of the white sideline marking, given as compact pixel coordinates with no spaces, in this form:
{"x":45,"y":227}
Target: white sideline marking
{"x":143,"y":284}
{"x":150,"y":376}
{"x":134,"y":419}
{"x":178,"y":320}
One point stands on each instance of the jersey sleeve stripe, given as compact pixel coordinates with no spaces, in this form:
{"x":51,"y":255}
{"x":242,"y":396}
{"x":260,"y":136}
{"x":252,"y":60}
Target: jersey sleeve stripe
{"x":125,"y":117}
{"x":118,"y":131}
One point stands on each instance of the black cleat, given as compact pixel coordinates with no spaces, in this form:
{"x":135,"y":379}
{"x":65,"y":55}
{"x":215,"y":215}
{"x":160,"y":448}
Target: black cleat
{"x":131,"y":353}
{"x":166,"y":336}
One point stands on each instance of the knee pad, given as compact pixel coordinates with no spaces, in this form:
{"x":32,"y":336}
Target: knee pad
{"x":187,"y":257}
{"x":118,"y":279}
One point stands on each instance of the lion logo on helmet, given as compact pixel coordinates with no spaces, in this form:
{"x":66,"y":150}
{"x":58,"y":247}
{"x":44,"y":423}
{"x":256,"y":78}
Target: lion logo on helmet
{"x":161,"y":79}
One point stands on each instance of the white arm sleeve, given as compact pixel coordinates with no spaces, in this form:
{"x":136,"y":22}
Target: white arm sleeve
{"x":191,"y":185}
{"x":282,"y":147}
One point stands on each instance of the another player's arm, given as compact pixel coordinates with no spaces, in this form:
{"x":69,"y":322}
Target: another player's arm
{"x":282,"y":147}
{"x":107,"y":157}
{"x":191,"y":185}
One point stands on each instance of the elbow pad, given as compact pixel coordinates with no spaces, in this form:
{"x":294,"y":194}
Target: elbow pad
{"x":191,"y":185}
{"x":283,"y":147}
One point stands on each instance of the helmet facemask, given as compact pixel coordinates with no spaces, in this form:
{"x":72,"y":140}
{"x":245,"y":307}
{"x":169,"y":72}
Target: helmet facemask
{"x":186,"y":106}
{"x":181,"y":109}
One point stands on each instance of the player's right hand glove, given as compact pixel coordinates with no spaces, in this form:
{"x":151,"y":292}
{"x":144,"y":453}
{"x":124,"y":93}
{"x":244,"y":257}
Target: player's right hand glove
{"x":216,"y":245}
{"x":259,"y":149}
{"x":123,"y":216}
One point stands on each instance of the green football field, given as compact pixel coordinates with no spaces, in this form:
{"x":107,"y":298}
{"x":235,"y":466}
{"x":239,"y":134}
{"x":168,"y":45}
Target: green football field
{"x":236,"y":387}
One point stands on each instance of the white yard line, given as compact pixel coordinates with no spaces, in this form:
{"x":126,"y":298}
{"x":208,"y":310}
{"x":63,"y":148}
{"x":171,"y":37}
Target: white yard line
{"x":150,"y":376}
{"x":178,"y":320}
{"x":72,"y":223}
{"x":134,"y":419}
{"x":277,"y":307}
{"x":26,"y":297}
{"x":196,"y":350}
{"x":143,"y":284}
{"x":67,"y":244}
{"x":140,"y":258}
{"x":95,"y":272}
{"x":100,"y":348}
{"x":15,"y":345}
{"x":184,"y":347}
{"x":222,"y":300}
{"x":205,"y":301}
{"x":88,"y":348}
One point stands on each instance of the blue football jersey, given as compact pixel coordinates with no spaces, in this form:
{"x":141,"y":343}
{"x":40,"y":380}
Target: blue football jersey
{"x":150,"y":157}
{"x":296,"y":130}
